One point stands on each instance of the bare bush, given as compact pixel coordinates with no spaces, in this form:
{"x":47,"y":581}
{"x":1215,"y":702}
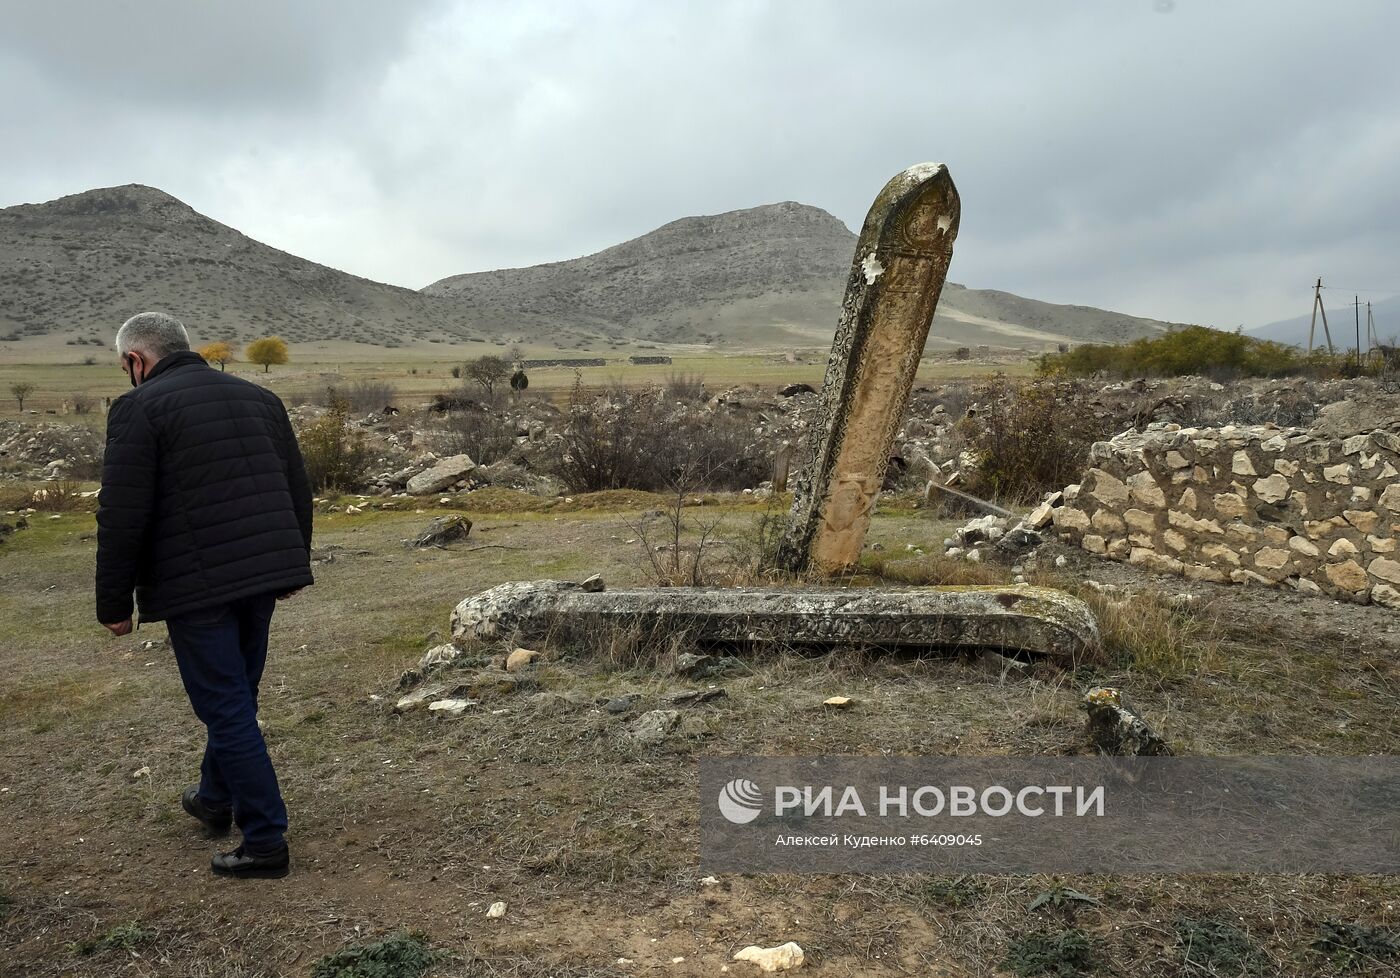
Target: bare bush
{"x":474,"y":431}
{"x":361,"y":397}
{"x":1029,"y":439}
{"x":686,"y":388}
{"x":629,"y":439}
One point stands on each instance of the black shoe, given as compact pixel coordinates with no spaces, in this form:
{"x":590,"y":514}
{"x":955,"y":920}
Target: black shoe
{"x":245,"y":865}
{"x":215,"y":821}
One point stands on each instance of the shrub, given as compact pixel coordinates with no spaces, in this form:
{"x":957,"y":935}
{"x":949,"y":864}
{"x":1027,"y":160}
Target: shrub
{"x":630,"y":439}
{"x":334,"y":453}
{"x":1218,"y":947}
{"x":362,"y":396}
{"x":475,"y":431}
{"x":1060,"y":955}
{"x":396,"y":956}
{"x":1028,"y":440}
{"x":1191,"y":350}
{"x":687,"y":388}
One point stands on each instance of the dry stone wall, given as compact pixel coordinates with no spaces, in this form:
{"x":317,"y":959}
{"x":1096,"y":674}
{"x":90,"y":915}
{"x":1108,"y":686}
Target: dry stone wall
{"x":1257,"y":504}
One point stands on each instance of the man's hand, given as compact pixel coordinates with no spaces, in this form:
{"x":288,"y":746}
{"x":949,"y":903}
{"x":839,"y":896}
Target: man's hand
{"x":119,"y":627}
{"x":284,"y":597}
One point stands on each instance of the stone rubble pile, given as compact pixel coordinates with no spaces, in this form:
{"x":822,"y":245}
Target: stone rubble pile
{"x":49,"y":450}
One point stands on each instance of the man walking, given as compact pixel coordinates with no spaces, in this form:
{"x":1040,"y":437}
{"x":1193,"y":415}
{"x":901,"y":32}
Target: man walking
{"x":205,"y":512}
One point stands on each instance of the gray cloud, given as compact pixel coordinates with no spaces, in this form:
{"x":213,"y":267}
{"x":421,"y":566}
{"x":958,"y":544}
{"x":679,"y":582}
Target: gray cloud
{"x":1200,"y":161}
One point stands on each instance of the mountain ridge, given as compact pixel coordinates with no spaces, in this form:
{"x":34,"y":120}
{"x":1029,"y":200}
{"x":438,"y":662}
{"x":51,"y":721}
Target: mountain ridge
{"x":756,"y":278}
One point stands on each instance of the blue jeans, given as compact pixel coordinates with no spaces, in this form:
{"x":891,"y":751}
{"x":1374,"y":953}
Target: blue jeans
{"x":221,"y":652}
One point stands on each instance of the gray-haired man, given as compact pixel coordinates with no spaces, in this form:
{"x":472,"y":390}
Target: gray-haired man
{"x":205,"y":512}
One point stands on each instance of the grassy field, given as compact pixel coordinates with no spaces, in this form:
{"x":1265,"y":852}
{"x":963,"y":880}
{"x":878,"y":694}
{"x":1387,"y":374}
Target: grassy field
{"x":418,"y":374}
{"x":540,"y":800}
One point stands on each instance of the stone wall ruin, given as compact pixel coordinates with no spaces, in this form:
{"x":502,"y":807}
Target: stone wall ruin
{"x":1245,"y":504}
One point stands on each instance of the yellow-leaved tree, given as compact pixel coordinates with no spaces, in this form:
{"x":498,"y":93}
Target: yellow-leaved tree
{"x":218,"y":352}
{"x":267,"y":351}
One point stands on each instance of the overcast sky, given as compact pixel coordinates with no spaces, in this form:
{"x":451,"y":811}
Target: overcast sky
{"x":1195,"y":160}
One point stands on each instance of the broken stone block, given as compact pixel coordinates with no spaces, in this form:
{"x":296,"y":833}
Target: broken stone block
{"x":441,"y":475}
{"x":1115,"y":727}
{"x":1031,"y":619}
{"x":441,"y":531}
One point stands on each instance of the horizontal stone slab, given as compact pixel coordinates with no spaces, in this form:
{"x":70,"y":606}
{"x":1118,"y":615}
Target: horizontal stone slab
{"x":1036,"y":620}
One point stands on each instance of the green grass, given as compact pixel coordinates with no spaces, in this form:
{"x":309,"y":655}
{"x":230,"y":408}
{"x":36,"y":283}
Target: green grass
{"x":396,"y":956}
{"x":123,"y":937}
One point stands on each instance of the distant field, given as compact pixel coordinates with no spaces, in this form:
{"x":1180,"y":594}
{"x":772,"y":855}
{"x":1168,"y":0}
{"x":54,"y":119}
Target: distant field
{"x":417,"y":374}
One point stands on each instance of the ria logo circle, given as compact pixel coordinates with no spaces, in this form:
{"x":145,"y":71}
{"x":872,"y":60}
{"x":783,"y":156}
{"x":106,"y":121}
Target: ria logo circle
{"x":740,"y":801}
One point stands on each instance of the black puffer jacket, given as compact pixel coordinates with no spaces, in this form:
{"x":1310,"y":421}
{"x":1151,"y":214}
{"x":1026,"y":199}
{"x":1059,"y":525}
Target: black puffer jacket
{"x":204,"y":495}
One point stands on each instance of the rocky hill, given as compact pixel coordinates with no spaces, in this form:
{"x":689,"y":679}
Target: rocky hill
{"x":79,"y":265}
{"x":763,"y":278}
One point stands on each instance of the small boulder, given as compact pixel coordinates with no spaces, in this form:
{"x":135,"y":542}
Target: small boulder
{"x":653,"y":726}
{"x":450,"y":707}
{"x":1115,"y":727}
{"x":521,"y":659}
{"x":442,"y":474}
{"x":441,"y":531}
{"x":781,"y":958}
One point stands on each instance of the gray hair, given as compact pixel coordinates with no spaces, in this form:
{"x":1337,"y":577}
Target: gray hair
{"x":155,"y":334}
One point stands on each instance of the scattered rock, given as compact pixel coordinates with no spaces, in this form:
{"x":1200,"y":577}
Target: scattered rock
{"x":441,"y":531}
{"x":497,"y":910}
{"x":418,"y":698}
{"x":593,"y":584}
{"x":653,"y":726}
{"x":838,"y":702}
{"x":450,"y":707}
{"x":521,"y":659}
{"x":622,"y":704}
{"x":1114,"y":727}
{"x":784,"y":957}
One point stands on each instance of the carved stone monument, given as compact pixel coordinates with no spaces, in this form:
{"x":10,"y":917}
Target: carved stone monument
{"x":1035,"y":620}
{"x":900,"y":263}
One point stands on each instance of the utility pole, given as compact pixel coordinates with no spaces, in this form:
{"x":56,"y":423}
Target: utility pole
{"x":1356,"y":307}
{"x":1317,"y":305}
